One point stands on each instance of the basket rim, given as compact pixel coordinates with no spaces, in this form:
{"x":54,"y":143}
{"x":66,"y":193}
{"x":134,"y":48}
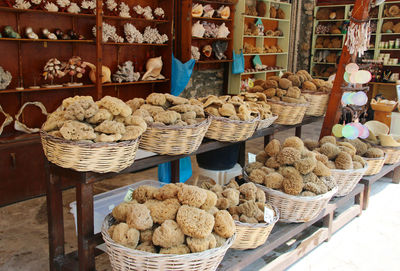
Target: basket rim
{"x":376,"y":158}
{"x":46,"y":135}
{"x":179,"y":127}
{"x":104,"y":231}
{"x":274,"y":117}
{"x":383,"y":147}
{"x":260,"y":225}
{"x":224,"y":119}
{"x":315,"y":92}
{"x":351,"y":170}
{"x":288,"y":104}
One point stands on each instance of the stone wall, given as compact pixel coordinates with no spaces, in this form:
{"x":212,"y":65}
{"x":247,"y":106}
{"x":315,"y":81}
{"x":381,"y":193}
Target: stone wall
{"x":305,"y":35}
{"x":203,"y":83}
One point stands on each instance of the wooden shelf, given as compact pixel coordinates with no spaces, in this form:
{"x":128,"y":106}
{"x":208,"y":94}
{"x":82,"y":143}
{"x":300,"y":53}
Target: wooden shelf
{"x":47,"y":40}
{"x":134,"y":19}
{"x":392,"y":65}
{"x":135,"y":83}
{"x":323,"y":63}
{"x":389,"y":49}
{"x":266,"y":54}
{"x":334,"y":20}
{"x":212,"y":19}
{"x":266,"y":18}
{"x":215,"y":2}
{"x":38,"y":11}
{"x":389,"y":34}
{"x":213,"y":61}
{"x":328,"y":49}
{"x":391,"y":18}
{"x":264,"y":37}
{"x":267,"y":71}
{"x":134,"y":44}
{"x":327,"y":35}
{"x":44,"y":89}
{"x":197,"y":38}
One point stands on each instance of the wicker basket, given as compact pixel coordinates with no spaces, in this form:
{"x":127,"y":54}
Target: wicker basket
{"x":224,"y":129}
{"x":347,"y":179}
{"x":98,"y":157}
{"x":123,"y":258}
{"x":253,"y":235}
{"x":265,"y":123}
{"x":288,"y":113}
{"x":174,"y":140}
{"x":392,"y":154}
{"x":318,"y":102}
{"x":374,"y":165}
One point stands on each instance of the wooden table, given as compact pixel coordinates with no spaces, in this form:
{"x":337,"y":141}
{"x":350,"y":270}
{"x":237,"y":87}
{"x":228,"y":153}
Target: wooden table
{"x":84,"y":259}
{"x":369,"y":180}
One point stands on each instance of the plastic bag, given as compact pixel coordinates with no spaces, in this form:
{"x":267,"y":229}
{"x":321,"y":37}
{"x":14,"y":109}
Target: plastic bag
{"x":185,"y":170}
{"x":180,"y":75}
{"x":238,"y":62}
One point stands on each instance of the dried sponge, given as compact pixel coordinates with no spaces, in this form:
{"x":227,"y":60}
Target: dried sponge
{"x":252,"y":166}
{"x":293,"y":92}
{"x":262,"y":157}
{"x":125,"y":236}
{"x":318,"y":187}
{"x":292,"y":182}
{"x":374,"y":153}
{"x":357,"y":158}
{"x":224,"y":225}
{"x":169,"y":234}
{"x":360,"y":146}
{"x":310,"y":86}
{"x":272,"y":162}
{"x":293,"y":142}
{"x":121,"y":211}
{"x":211,"y":200}
{"x":295,"y":80}
{"x":321,"y":170}
{"x":248,"y":190}
{"x":284,"y":83}
{"x":311,"y":144}
{"x":232,"y":195}
{"x":344,"y":161}
{"x":330,"y":150}
{"x":201,"y":244}
{"x":327,"y":139}
{"x":144,"y":193}
{"x":258,"y":176}
{"x":192,"y":195}
{"x":163,"y":210}
{"x":306,"y":165}
{"x":195,"y":222}
{"x":139,"y":217}
{"x":273,"y":147}
{"x":288,"y":156}
{"x":274,"y":180}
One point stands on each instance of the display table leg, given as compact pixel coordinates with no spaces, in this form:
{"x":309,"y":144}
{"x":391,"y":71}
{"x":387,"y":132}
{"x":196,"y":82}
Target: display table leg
{"x":367,"y":193}
{"x":396,"y":175}
{"x":267,"y":139}
{"x":55,"y":218}
{"x":328,"y":223}
{"x":84,"y":198}
{"x":359,"y":199}
{"x":175,"y":171}
{"x":298,"y":131}
{"x":242,"y":154}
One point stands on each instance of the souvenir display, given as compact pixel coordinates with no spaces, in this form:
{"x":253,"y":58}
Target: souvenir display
{"x":54,"y":68}
{"x":105,"y":73}
{"x":75,"y":67}
{"x":125,"y":73}
{"x":9,"y":32}
{"x":30,"y":34}
{"x":22,"y":127}
{"x":5,"y":78}
{"x":153,"y":69}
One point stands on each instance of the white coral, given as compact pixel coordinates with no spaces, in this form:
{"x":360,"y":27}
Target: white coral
{"x":88,"y":4}
{"x":151,"y":35}
{"x":132,"y":35}
{"x":124,"y":10}
{"x":22,"y":4}
{"x":109,"y":33}
{"x":74,"y":8}
{"x":195,"y":52}
{"x":111,"y":5}
{"x":148,"y":13}
{"x":138,"y":9}
{"x":159,"y":12}
{"x":51,"y":7}
{"x":63,"y":3}
{"x":36,"y":2}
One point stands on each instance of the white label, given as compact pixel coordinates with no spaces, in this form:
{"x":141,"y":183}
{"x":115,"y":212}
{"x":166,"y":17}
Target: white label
{"x":111,"y":207}
{"x":252,"y":157}
{"x":128,"y":196}
{"x":268,"y":215}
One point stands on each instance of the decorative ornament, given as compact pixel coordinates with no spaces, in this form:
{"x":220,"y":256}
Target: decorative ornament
{"x":75,"y":67}
{"x":105,"y":72}
{"x":74,"y":8}
{"x":47,"y":34}
{"x":337,"y":130}
{"x":219,"y":47}
{"x":111,"y":5}
{"x":159,"y":13}
{"x":132,"y":35}
{"x":350,"y":132}
{"x":211,"y":30}
{"x":352,"y":67}
{"x":8,"y":119}
{"x":54,"y":68}
{"x":89,"y":5}
{"x":207,"y":51}
{"x":5,"y":78}
{"x":109,"y":33}
{"x":36,"y":2}
{"x":9,"y":32}
{"x":208,"y":11}
{"x":223,"y":31}
{"x":224,"y":12}
{"x":153,"y":69}
{"x":63,"y":3}
{"x":125,"y":73}
{"x":19,"y":126}
{"x":358,"y":36}
{"x":197,"y":10}
{"x":198,"y":30}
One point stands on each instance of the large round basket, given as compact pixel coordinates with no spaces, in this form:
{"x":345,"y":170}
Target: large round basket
{"x":288,"y":113}
{"x":265,"y":123}
{"x":98,"y":157}
{"x":123,"y":258}
{"x":253,"y":235}
{"x":318,"y":102}
{"x":347,"y":179}
{"x":392,"y":154}
{"x":174,"y":140}
{"x":227,"y":130}
{"x":374,"y":165}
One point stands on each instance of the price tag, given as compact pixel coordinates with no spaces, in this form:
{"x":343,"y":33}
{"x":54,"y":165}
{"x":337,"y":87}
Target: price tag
{"x":268,"y":215}
{"x":128,"y":196}
{"x":252,"y":157}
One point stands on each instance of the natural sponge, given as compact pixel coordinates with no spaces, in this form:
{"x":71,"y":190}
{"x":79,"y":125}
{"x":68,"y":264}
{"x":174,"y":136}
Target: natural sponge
{"x":288,"y":156}
{"x":274,"y":180}
{"x":330,"y":150}
{"x":169,"y":234}
{"x":284,"y":83}
{"x":273,"y":147}
{"x":292,"y":182}
{"x":321,"y":170}
{"x":374,"y":153}
{"x":344,"y":161}
{"x":195,"y":222}
{"x":224,"y":225}
{"x":293,"y":142}
{"x":306,"y":165}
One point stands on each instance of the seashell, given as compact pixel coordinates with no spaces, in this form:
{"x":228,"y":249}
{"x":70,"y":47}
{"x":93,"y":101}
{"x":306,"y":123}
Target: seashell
{"x":208,"y":11}
{"x":153,"y":69}
{"x":224,"y":12}
{"x":198,"y":30}
{"x":197,"y":10}
{"x":52,"y":36}
{"x":223,"y":31}
{"x":195,"y":52}
{"x":207,"y":50}
{"x":105,"y":72}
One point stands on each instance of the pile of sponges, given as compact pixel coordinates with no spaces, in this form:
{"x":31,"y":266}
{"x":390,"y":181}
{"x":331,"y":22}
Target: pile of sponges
{"x":173,"y":219}
{"x":291,"y":168}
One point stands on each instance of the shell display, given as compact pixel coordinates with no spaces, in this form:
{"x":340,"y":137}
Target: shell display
{"x":211,"y":30}
{"x":124,"y":10}
{"x":151,"y":35}
{"x":208,"y":11}
{"x":132,"y":35}
{"x":30,"y":34}
{"x":207,"y":51}
{"x":224,"y":12}
{"x":22,"y":4}
{"x":195,"y":52}
{"x":111,"y":5}
{"x":220,"y":48}
{"x":159,"y":12}
{"x":197,"y":10}
{"x":5,"y":78}
{"x":109,"y":33}
{"x":198,"y":30}
{"x":105,"y":72}
{"x":47,"y":34}
{"x":74,"y":8}
{"x":54,"y":68}
{"x":223,"y":31}
{"x":63,"y":3}
{"x":75,"y":66}
{"x":88,"y":4}
{"x":146,"y":12}
{"x":153,"y":69}
{"x":125,"y":73}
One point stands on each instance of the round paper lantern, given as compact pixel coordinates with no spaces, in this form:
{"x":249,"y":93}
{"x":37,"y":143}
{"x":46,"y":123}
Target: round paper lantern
{"x":352,"y":78}
{"x":365,"y":133}
{"x":346,"y":77}
{"x":352,"y":67}
{"x":362,"y":77}
{"x":345,"y":97}
{"x":350,"y":98}
{"x":359,"y":127}
{"x":337,"y":130}
{"x":360,"y":98}
{"x":349,"y":132}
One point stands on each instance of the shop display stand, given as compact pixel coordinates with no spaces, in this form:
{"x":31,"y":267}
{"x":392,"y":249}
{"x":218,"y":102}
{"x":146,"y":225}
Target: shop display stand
{"x":369,"y":180}
{"x":87,"y":240}
{"x":270,"y":59}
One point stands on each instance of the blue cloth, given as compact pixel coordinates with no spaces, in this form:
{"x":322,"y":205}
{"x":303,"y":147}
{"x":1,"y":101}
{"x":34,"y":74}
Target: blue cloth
{"x":238,"y":63}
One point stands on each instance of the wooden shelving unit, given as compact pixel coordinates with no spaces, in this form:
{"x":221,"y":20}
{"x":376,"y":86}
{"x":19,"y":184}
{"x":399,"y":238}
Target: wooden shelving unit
{"x":269,"y":59}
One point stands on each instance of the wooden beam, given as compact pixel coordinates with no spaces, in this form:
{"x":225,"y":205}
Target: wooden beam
{"x":360,"y":12}
{"x":99,"y":48}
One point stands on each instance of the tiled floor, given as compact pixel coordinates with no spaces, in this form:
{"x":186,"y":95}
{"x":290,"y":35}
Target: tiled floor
{"x":24,"y":243}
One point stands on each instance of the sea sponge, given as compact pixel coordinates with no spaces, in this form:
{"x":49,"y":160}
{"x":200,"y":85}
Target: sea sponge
{"x":359,"y":159}
{"x":295,"y":79}
{"x":168,"y":191}
{"x":144,"y":193}
{"x":211,"y":200}
{"x":169,"y":234}
{"x":357,"y":165}
{"x":288,"y":156}
{"x":310,"y":177}
{"x":246,"y":219}
{"x":260,"y":195}
{"x":115,"y":106}
{"x":167,"y":117}
{"x":222,"y":203}
{"x":292,"y":182}
{"x":374,"y":153}
{"x":201,"y":244}
{"x":146,"y":235}
{"x":293,"y":142}
{"x":272,"y":162}
{"x":258,"y":176}
{"x":135,"y":103}
{"x":181,"y":249}
{"x":305,"y":165}
{"x":311,"y":144}
{"x":220,"y":241}
{"x":147,"y":246}
{"x":274,"y":180}
{"x":273,"y":147}
{"x":250,"y":167}
{"x":307,"y":194}
{"x":192,"y":196}
{"x":121,"y":211}
{"x":327,"y":139}
{"x":360,"y":146}
{"x":212,"y":210}
{"x":329,"y":181}
{"x":125,"y":236}
{"x":139,"y":217}
{"x":308,"y":85}
{"x":330,"y":150}
{"x":163,"y":210}
{"x":270,"y":84}
{"x":131,"y":132}
{"x":344,"y":161}
{"x":293,"y":92}
{"x":248,"y":208}
{"x":195,"y":222}
{"x":156,"y":99}
{"x":321,"y":157}
{"x":75,"y":130}
{"x":262,"y":157}
{"x":317,"y":186}
{"x":248,"y":190}
{"x":321,"y":170}
{"x":331,"y":164}
{"x":270,"y":92}
{"x":387,"y":26}
{"x":267,"y":170}
{"x":284,"y":83}
{"x":256,"y":89}
{"x":224,"y":224}
{"x":232,"y":195}
{"x":232,"y":184}
{"x":280,"y":92}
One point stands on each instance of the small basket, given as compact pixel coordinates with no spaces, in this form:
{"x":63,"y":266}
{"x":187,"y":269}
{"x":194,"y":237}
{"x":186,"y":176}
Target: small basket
{"x":174,"y":140}
{"x":288,"y":113}
{"x":347,"y":179}
{"x":253,"y":235}
{"x":227,"y":130}
{"x":295,"y":209}
{"x":123,"y":258}
{"x":318,"y":103}
{"x":265,"y":123}
{"x":392,"y":154}
{"x":374,"y":165}
{"x":98,"y":157}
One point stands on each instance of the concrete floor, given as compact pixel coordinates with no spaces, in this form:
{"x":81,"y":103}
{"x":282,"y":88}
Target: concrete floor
{"x":24,"y":241}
